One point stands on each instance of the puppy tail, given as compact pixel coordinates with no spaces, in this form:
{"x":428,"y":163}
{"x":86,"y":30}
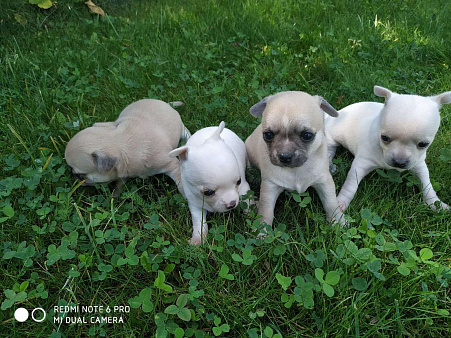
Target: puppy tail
{"x":176,"y":103}
{"x":185,"y":135}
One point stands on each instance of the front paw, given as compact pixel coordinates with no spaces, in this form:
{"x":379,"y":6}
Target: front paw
{"x":262,"y":234}
{"x":333,"y":168}
{"x":249,"y":203}
{"x":439,"y":206}
{"x":339,"y":219}
{"x":342,"y":222}
{"x":117,"y":192}
{"x":262,"y":229}
{"x":196,"y":240}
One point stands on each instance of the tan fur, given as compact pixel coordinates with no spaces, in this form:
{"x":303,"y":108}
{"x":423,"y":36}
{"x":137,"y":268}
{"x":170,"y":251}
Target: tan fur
{"x":288,"y":114}
{"x":135,"y":145}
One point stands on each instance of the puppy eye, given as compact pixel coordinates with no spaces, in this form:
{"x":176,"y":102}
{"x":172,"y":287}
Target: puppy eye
{"x":423,"y":144}
{"x":385,"y":138}
{"x":209,"y":192}
{"x":307,"y":136}
{"x":238,"y":182}
{"x":268,"y":135}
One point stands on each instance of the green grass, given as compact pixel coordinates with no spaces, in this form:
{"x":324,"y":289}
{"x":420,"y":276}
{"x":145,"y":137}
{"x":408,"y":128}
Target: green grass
{"x":63,"y":69}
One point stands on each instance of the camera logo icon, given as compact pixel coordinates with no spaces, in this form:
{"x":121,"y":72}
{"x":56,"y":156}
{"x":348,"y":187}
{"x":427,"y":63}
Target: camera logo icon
{"x":21,"y":314}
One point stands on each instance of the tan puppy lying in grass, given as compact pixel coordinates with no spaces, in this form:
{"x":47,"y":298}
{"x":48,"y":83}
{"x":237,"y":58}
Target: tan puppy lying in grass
{"x":135,"y":145}
{"x":394,"y":135}
{"x":290,"y":149}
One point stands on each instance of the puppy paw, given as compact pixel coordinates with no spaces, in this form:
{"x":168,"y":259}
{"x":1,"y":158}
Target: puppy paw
{"x":117,"y":192}
{"x":249,"y":203}
{"x":332,"y":168}
{"x":339,"y":220}
{"x":437,"y":207}
{"x":196,"y":240}
{"x":263,"y":230}
{"x":262,"y":235}
{"x":344,"y":223}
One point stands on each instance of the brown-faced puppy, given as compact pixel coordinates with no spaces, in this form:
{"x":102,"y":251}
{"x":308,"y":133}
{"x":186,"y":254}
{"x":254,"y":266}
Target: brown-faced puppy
{"x":135,"y":145}
{"x":289,"y":147}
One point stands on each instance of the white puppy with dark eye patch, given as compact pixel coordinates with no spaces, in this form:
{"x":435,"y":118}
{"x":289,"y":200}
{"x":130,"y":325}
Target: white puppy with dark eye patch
{"x":290,"y":149}
{"x":213,"y":163}
{"x":394,"y":135}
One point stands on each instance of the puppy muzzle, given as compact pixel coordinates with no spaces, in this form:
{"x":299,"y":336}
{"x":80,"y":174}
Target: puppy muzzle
{"x":401,"y":163}
{"x":285,"y":157}
{"x":289,"y":160}
{"x":230,"y":205}
{"x":77,"y":177}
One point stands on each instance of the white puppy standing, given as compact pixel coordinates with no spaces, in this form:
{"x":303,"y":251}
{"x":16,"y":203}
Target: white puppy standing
{"x":213,"y":163}
{"x":135,"y":145}
{"x":394,"y":135}
{"x":290,"y":149}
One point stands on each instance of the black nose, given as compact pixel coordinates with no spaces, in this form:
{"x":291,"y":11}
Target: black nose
{"x":231,"y":205}
{"x":400,"y":163}
{"x":77,"y":177}
{"x":285,"y":157}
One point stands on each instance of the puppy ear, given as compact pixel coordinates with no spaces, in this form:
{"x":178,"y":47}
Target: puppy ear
{"x":443,"y":98}
{"x":217,"y":134}
{"x":181,"y":153}
{"x":258,"y":108}
{"x":327,"y":108}
{"x":383,"y":92}
{"x":104,"y":161}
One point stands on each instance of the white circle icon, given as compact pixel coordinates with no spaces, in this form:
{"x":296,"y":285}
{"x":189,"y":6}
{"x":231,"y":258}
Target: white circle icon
{"x":38,"y":320}
{"x":21,"y":314}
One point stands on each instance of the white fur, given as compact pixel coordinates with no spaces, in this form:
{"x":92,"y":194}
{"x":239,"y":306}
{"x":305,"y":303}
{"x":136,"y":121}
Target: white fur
{"x":407,"y":120}
{"x":214,"y":158}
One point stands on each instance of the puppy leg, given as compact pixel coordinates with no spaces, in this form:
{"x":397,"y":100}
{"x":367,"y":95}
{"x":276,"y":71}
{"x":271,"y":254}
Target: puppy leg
{"x":200,"y":227}
{"x":326,"y":192}
{"x":331,"y":150}
{"x":429,"y":194}
{"x":269,"y":192}
{"x":359,"y":169}
{"x":117,"y":187}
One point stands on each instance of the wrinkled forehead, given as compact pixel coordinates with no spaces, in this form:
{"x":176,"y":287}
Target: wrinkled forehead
{"x":212,"y":161}
{"x":411,"y":115}
{"x":402,"y":108}
{"x":293,"y":113}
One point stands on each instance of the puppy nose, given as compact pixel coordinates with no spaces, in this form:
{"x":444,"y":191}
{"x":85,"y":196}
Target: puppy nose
{"x":77,"y":177}
{"x":400,"y":163}
{"x":231,"y":205}
{"x":285,"y":157}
